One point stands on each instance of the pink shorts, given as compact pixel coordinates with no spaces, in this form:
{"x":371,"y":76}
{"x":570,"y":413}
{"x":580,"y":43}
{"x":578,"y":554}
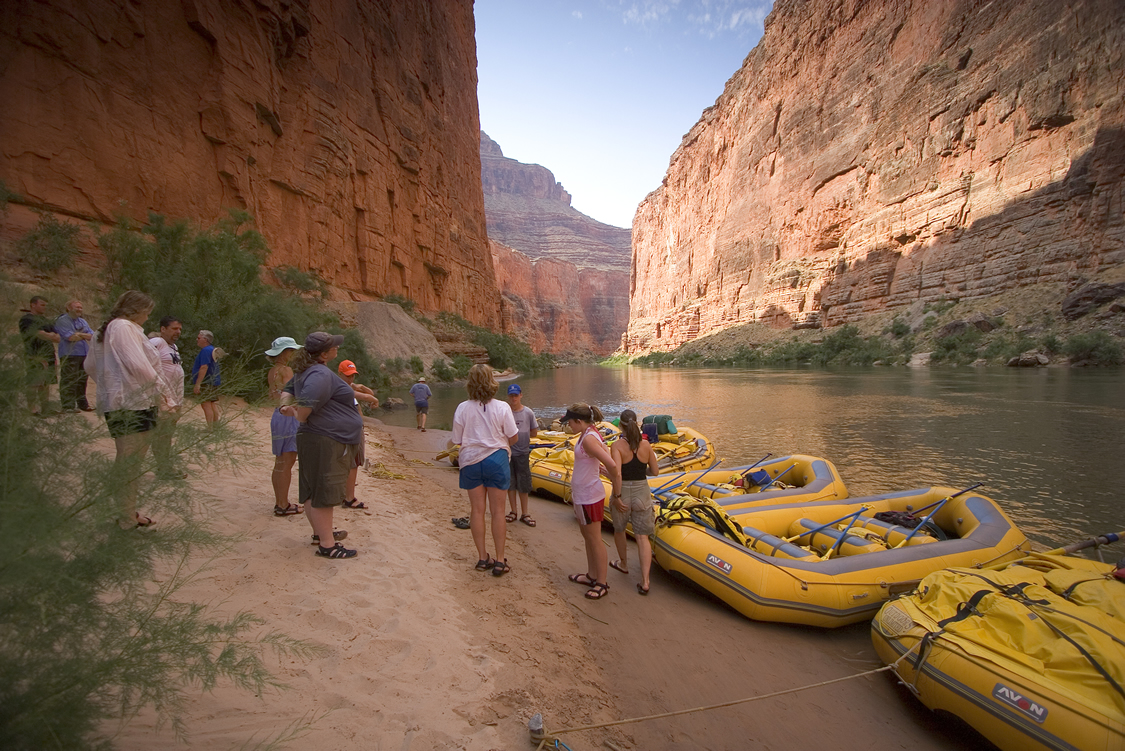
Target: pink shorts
{"x":588,"y":513}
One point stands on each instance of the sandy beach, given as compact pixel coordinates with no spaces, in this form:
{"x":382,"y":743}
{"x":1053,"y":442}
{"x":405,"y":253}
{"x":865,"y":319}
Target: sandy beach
{"x":421,"y":651}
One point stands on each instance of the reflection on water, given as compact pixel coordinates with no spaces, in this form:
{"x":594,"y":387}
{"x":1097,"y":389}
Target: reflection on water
{"x":1048,"y":443}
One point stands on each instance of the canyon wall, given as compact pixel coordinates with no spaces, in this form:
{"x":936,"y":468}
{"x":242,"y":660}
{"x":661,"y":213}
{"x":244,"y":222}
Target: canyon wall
{"x":558,"y":307}
{"x":869,"y":154}
{"x":564,"y":277}
{"x":348,"y":128}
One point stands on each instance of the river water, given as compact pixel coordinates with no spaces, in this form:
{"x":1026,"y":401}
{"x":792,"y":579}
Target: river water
{"x":1049,"y":444}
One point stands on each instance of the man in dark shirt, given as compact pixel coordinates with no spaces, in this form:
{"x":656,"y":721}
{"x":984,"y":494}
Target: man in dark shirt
{"x":39,"y":338}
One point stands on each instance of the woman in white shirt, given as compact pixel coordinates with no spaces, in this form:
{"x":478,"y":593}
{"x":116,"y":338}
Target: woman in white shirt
{"x":126,"y":368}
{"x":485,"y":430}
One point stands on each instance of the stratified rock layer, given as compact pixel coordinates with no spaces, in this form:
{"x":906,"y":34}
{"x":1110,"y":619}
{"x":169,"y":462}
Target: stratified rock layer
{"x":348,"y":129}
{"x":564,"y":277}
{"x":871,"y":154}
{"x":557,"y":307}
{"x":531,"y":212}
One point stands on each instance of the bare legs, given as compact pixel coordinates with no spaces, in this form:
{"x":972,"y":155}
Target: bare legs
{"x":644,"y":547}
{"x":493,"y":498}
{"x":320,"y":519}
{"x":597,"y":560}
{"x":282,"y":478}
{"x":523,"y":502}
{"x":131,"y":450}
{"x":211,"y":413}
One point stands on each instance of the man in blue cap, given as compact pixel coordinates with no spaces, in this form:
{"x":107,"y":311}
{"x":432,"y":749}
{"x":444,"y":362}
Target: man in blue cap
{"x":521,"y":453}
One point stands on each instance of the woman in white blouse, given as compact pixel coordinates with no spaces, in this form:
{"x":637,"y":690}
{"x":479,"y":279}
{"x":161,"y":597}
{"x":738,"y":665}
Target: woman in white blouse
{"x":126,"y":368}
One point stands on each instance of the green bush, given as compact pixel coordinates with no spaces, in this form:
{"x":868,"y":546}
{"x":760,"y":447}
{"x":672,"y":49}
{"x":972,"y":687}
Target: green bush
{"x":504,"y":351}
{"x":395,"y":365}
{"x":303,"y":283}
{"x":403,"y":302}
{"x":441,"y":370}
{"x":94,"y":622}
{"x":51,"y":245}
{"x":958,"y":349}
{"x":212,"y":279}
{"x":1003,"y":346}
{"x":898,"y":328}
{"x":1094,"y":348}
{"x":461,"y":366}
{"x":416,"y":365}
{"x":1050,"y":344}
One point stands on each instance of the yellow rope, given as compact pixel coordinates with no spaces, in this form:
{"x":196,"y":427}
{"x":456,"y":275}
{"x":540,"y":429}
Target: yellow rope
{"x":551,"y":735}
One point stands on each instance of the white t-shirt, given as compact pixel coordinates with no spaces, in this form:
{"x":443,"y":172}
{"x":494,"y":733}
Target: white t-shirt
{"x":171,"y":369}
{"x":482,"y":429}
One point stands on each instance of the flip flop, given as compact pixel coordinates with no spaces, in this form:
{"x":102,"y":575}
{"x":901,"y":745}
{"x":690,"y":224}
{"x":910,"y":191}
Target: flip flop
{"x":354,"y":503}
{"x":526,"y":519}
{"x":144,"y":521}
{"x":616,"y":565}
{"x":510,"y":517}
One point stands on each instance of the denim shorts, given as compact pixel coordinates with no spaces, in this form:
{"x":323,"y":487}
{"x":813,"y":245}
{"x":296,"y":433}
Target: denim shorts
{"x":492,"y":472}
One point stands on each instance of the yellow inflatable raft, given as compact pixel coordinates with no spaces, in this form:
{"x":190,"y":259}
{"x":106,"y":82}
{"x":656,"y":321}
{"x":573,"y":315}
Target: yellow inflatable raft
{"x":1031,"y":655}
{"x":829,"y":563}
{"x":789,"y":479}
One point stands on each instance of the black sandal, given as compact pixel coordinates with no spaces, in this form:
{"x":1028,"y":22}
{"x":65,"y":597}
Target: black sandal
{"x":484,"y":564}
{"x":355,"y":503}
{"x":597,"y":592}
{"x":336,"y":551}
{"x":461,"y":522}
{"x":337,"y":535}
{"x":501,"y":567}
{"x":289,"y":510}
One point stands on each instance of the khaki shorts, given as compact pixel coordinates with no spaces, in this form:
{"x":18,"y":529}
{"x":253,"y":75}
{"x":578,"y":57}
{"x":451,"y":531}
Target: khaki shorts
{"x":637,"y":495}
{"x":322,"y":469}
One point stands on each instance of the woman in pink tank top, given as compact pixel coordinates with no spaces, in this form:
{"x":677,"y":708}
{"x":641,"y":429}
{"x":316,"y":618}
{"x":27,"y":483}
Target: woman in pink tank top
{"x":587,"y":493}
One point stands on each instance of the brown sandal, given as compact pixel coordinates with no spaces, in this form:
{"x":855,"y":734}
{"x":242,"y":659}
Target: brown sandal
{"x":597,"y":592}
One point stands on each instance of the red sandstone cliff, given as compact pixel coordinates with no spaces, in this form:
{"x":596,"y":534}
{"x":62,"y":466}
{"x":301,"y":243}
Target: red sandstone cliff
{"x":564,"y":277}
{"x":348,"y":128}
{"x":558,"y":307}
{"x":871,"y":154}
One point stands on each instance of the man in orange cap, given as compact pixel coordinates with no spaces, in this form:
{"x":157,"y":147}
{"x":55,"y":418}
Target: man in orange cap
{"x":348,"y":372}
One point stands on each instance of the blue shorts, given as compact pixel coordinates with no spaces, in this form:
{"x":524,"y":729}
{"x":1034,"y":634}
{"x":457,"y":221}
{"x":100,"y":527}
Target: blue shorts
{"x":283,"y":431}
{"x":493,"y":472}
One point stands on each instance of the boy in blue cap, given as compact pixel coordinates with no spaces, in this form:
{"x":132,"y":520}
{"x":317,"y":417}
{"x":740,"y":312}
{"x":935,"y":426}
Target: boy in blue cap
{"x":521,"y":454}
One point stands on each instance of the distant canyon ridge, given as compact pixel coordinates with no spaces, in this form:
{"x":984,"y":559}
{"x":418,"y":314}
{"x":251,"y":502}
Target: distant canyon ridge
{"x":564,"y":277}
{"x":869,"y":155}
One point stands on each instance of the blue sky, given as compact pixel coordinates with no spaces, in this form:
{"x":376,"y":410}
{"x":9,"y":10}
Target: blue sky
{"x":601,"y":91}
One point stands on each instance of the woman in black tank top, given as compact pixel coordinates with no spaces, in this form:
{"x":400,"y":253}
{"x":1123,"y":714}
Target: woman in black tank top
{"x":637,"y":461}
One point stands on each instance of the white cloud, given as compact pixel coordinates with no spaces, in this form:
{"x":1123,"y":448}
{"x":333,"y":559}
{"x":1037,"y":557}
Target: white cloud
{"x":577,"y":14}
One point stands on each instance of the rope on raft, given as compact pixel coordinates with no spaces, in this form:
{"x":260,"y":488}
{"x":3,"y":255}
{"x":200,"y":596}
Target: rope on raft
{"x":550,"y":736}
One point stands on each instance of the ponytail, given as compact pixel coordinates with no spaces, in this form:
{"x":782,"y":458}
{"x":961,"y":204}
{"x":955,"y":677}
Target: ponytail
{"x":630,"y":430}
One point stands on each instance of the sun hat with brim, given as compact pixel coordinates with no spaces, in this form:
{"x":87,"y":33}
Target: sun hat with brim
{"x":347,"y":367}
{"x":280,"y":344}
{"x":319,"y":341}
